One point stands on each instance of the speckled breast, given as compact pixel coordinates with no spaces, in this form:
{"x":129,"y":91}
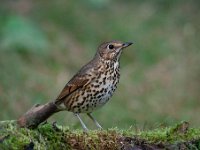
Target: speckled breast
{"x":98,"y":92}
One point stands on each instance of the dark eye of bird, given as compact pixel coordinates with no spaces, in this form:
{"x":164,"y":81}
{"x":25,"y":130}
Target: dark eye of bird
{"x":110,"y":46}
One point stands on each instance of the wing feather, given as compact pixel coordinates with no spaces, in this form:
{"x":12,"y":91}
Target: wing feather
{"x":74,"y":84}
{"x":79,"y":80}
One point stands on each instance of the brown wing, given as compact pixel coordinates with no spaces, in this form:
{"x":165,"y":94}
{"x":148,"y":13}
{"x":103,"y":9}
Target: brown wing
{"x":78,"y":81}
{"x":75,"y":83}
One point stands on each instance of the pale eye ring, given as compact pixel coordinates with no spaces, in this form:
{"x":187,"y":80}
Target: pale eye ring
{"x":110,"y":46}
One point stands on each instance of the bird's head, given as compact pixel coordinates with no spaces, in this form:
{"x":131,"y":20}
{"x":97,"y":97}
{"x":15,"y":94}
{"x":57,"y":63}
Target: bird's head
{"x":112,"y":50}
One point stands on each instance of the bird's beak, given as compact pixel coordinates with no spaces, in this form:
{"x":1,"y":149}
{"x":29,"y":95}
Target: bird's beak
{"x":124,"y":45}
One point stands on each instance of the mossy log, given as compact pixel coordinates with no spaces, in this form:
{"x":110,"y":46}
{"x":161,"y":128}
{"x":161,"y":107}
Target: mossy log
{"x":52,"y":136}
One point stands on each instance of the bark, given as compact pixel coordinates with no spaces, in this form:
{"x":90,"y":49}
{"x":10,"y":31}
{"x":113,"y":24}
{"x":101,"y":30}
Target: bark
{"x":37,"y":114}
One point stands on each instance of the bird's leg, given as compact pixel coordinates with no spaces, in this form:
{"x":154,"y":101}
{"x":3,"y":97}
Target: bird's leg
{"x":96,"y":123}
{"x":82,"y":123}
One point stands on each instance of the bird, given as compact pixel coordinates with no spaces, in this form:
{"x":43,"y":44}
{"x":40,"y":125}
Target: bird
{"x":94,"y":84}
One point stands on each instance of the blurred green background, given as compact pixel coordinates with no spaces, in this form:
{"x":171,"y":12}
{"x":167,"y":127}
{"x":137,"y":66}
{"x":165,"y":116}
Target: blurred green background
{"x":43,"y":43}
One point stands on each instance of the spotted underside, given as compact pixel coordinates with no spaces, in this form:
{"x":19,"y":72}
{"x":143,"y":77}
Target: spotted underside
{"x":103,"y":81}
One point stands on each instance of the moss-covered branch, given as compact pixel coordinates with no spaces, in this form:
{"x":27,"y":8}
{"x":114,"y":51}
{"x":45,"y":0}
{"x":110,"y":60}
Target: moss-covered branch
{"x":51,"y":136}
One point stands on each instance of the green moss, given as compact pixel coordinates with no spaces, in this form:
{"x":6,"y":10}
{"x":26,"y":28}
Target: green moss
{"x":43,"y":137}
{"x":48,"y":136}
{"x":178,"y":133}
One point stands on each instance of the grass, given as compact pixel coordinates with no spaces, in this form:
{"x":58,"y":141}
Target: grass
{"x":51,"y":136}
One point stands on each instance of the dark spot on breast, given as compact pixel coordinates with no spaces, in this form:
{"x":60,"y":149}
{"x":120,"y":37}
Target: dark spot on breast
{"x":96,"y":86}
{"x":89,"y":90}
{"x":101,"y":90}
{"x":104,"y":80}
{"x":99,"y":76}
{"x":97,"y":92}
{"x":106,"y":73}
{"x":99,"y":96}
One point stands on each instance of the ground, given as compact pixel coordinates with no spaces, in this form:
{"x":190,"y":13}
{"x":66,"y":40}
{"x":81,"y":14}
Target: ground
{"x":53,"y":136}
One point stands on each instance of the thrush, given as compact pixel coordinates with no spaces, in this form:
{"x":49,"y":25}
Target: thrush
{"x":93,"y":85}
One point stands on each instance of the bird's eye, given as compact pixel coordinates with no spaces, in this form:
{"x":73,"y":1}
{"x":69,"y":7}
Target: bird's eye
{"x":110,"y":46}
